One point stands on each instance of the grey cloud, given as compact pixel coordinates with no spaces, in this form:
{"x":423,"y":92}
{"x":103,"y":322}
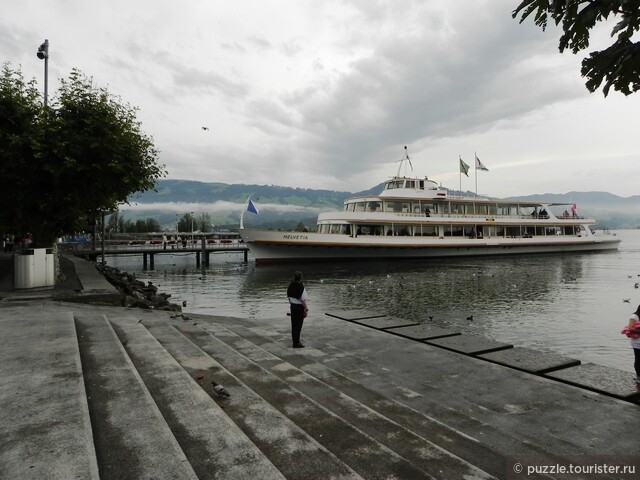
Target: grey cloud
{"x":260,"y":43}
{"x":292,"y":47}
{"x":234,"y":47}
{"x":186,"y":79}
{"x":15,"y":39}
{"x":438,"y":83}
{"x":318,"y":65}
{"x":198,"y":80}
{"x":264,"y":113}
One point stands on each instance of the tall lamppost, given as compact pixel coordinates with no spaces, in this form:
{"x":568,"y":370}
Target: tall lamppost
{"x":191,"y":227}
{"x":43,"y":54}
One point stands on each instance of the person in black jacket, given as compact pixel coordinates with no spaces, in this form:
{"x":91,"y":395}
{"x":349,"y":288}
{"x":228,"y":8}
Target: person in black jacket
{"x":298,"y":302}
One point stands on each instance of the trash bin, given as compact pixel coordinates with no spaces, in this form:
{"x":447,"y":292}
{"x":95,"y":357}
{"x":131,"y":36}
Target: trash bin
{"x":34,"y":268}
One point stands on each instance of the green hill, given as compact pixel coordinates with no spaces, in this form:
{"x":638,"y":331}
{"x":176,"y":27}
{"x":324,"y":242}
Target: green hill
{"x":190,"y":191}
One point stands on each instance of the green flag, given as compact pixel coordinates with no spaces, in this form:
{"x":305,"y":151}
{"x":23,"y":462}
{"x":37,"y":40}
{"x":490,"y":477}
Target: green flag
{"x":464,"y":168}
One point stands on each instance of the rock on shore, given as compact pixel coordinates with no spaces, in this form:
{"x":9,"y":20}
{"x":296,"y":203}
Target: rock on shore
{"x":136,"y":293}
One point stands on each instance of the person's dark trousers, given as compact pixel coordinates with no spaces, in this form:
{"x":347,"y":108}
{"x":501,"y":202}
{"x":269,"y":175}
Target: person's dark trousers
{"x":297,"y":318}
{"x":636,"y":364}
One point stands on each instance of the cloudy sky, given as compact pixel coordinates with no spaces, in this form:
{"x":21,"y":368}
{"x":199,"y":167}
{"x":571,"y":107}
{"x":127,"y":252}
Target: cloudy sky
{"x":326,"y":93}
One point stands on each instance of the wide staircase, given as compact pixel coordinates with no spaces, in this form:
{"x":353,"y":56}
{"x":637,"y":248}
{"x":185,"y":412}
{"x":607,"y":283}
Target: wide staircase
{"x":125,"y":395}
{"x":120,"y":397}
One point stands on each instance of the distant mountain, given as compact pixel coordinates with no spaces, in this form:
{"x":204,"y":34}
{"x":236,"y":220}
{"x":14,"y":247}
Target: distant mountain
{"x":611,"y":211}
{"x":190,"y":191}
{"x":599,"y":200}
{"x":303,"y":205}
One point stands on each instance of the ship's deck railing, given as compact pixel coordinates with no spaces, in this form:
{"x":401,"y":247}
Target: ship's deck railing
{"x":468,"y":197}
{"x":480,"y":216}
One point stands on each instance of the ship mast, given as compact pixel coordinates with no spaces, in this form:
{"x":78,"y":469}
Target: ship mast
{"x":402,"y":160}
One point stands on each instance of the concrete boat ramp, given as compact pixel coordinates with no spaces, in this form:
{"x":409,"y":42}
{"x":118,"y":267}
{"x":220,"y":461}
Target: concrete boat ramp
{"x":598,"y":378}
{"x":100,"y":392}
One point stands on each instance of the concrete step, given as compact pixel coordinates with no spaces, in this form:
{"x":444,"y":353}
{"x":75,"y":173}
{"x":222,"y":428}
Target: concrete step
{"x":488,"y":402}
{"x":329,"y":392}
{"x":365,"y":454}
{"x":132,"y":439}
{"x":45,"y":430}
{"x":214,"y":446}
{"x":452,"y":441}
{"x":288,"y":447}
{"x":457,"y":430}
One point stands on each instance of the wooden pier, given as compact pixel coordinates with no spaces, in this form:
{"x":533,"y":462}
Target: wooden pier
{"x":149,"y":251}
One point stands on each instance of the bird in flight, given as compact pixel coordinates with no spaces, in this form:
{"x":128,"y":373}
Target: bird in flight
{"x":205,"y":128}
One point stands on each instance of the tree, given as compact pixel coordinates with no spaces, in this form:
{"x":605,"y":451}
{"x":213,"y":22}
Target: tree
{"x":204,"y":222}
{"x":19,"y":120}
{"x":145,"y":226}
{"x":186,"y":223}
{"x":152,"y":225}
{"x":112,"y":223}
{"x":82,"y":155}
{"x":116,"y":223}
{"x":618,"y":66}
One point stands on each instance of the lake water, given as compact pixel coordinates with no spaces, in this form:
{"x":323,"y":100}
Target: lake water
{"x":572,"y":304}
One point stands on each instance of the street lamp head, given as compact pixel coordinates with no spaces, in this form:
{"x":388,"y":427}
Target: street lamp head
{"x":43,"y":50}
{"x":43,"y":54}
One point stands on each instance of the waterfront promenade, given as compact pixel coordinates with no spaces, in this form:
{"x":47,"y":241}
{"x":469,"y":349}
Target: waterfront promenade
{"x":97,"y":391}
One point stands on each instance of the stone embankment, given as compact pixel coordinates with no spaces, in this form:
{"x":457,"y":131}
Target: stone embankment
{"x":134,"y":292}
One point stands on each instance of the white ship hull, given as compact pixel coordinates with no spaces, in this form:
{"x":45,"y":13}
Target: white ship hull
{"x":279,"y":247}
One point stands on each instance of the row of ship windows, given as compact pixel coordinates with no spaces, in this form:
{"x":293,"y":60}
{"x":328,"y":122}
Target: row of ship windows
{"x":438,"y":208}
{"x":449,"y":230}
{"x":418,"y":184}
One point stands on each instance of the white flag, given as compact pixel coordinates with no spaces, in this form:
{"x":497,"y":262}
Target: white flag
{"x":479,"y":165}
{"x":464,"y":168}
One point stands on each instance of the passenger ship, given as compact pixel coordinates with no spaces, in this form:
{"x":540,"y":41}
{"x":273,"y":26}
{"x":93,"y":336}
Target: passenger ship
{"x":415,"y":218}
